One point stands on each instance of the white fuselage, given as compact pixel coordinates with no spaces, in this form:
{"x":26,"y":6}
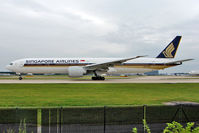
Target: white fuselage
{"x":61,"y":65}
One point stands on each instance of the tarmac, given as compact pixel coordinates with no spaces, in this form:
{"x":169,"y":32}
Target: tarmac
{"x":137,"y":79}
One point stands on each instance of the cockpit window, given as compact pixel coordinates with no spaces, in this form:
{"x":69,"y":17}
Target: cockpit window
{"x":11,"y":63}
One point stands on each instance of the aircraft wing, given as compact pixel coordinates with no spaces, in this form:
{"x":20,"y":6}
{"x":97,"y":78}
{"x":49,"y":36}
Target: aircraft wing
{"x":105,"y":65}
{"x":179,"y":61}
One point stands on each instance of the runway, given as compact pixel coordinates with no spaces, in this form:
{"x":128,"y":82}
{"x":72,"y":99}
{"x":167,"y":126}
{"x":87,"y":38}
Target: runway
{"x":137,"y":79}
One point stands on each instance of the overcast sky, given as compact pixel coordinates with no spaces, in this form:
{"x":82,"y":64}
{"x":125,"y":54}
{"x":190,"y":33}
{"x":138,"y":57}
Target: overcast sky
{"x":98,"y":28}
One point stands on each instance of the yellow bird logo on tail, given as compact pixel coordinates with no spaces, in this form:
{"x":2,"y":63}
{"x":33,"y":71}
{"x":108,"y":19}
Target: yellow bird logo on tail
{"x":168,"y":52}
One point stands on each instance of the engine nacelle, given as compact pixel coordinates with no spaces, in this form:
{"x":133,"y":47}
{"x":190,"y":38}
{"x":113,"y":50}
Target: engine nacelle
{"x":76,"y":71}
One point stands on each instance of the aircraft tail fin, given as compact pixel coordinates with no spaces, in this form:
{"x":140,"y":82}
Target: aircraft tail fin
{"x":171,"y":49}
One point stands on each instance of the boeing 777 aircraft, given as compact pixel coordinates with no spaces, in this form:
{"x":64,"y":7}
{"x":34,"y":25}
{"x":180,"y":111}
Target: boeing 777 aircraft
{"x":78,"y":67}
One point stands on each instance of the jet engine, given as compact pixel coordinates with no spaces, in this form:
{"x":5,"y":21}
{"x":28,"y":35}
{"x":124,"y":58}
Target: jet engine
{"x":76,"y":71}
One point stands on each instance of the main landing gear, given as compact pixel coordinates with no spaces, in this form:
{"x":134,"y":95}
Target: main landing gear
{"x":97,"y":77}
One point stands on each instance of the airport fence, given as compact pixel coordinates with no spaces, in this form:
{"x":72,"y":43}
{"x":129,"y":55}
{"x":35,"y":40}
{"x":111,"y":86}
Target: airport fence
{"x":95,"y":119}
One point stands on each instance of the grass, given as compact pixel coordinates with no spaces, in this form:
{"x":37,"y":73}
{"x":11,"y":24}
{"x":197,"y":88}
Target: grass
{"x":53,"y":95}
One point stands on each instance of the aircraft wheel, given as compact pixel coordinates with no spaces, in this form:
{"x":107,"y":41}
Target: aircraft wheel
{"x":20,"y":78}
{"x":98,"y":78}
{"x":102,"y":78}
{"x":94,"y":78}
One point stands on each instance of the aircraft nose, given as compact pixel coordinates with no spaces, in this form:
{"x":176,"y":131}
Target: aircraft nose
{"x":8,"y":67}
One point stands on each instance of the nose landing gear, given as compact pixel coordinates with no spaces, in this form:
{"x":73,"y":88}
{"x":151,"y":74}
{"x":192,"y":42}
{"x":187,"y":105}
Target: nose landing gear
{"x":20,"y":77}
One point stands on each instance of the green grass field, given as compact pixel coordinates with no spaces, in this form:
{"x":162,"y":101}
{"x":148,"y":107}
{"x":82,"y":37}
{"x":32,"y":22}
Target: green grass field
{"x":53,"y":95}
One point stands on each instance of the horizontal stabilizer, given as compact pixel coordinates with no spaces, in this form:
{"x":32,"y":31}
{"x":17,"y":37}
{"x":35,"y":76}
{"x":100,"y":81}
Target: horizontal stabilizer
{"x":179,"y":61}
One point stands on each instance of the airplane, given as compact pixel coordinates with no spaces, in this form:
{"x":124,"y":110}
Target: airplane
{"x":78,"y":67}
